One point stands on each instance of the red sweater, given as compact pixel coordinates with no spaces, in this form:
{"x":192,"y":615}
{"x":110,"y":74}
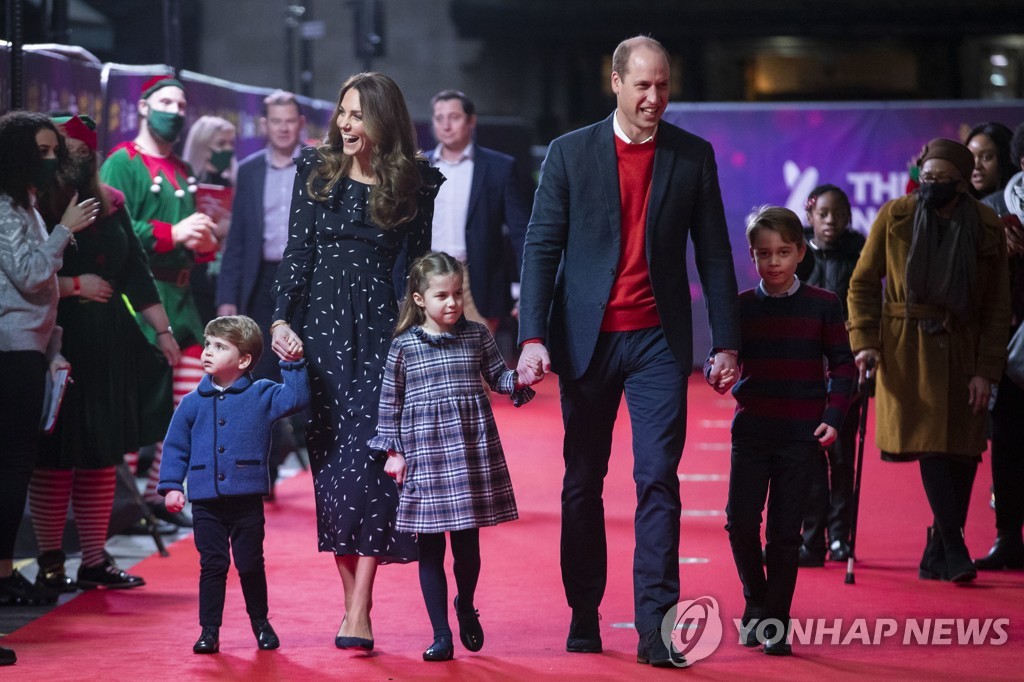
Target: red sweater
{"x":631,"y":304}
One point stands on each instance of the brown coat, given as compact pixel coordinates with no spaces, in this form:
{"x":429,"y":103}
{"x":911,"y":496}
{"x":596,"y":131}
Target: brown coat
{"x":922,"y":392}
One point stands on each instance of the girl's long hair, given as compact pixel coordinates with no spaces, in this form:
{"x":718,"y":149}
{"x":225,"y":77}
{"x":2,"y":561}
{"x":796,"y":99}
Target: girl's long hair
{"x":393,"y":160}
{"x":19,"y":153}
{"x":433,"y":264}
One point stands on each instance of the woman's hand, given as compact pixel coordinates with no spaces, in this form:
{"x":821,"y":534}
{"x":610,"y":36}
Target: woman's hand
{"x":169,"y":347}
{"x":58,"y":362}
{"x":175,"y":501}
{"x":979,"y":390}
{"x":95,"y":288}
{"x":867,"y":361}
{"x":80,"y":215}
{"x":395,"y":466}
{"x":286,"y":343}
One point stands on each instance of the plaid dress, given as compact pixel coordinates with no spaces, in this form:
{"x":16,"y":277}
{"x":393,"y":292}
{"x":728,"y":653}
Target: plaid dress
{"x":433,"y":409}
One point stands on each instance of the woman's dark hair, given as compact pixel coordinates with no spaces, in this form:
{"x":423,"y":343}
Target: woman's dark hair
{"x":1001,"y":137}
{"x":393,"y":199}
{"x":19,"y":153}
{"x":1017,"y":148}
{"x":433,"y":264}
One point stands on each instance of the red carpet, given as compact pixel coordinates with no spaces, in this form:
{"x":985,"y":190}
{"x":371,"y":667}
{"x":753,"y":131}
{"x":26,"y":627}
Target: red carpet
{"x":148,"y":633}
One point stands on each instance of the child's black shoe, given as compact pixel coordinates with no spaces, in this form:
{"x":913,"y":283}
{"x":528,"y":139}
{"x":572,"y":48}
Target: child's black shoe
{"x":266,"y":638}
{"x":441,"y":650}
{"x":470,"y":631}
{"x":208,"y":642}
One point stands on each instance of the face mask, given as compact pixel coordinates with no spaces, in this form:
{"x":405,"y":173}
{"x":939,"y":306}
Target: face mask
{"x":80,"y":173}
{"x":220,"y":160}
{"x":46,"y":173}
{"x":166,"y":125}
{"x":937,"y":194}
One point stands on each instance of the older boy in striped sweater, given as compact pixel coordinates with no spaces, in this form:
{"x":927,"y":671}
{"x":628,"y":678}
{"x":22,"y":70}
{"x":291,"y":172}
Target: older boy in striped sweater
{"x":796,"y":379}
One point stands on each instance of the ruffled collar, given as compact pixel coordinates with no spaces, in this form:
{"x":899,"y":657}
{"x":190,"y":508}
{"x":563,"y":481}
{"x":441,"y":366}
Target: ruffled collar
{"x":438,"y":339}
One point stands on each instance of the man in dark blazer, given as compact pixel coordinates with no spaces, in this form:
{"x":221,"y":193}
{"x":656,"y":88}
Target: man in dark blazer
{"x":258,"y":236}
{"x":480,"y":198}
{"x":605,"y":288}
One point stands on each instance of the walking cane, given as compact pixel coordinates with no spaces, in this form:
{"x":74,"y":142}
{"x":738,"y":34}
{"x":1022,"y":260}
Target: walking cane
{"x":867,"y":391}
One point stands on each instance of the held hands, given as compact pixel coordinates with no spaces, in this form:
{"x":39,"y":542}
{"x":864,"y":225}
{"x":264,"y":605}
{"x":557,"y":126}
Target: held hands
{"x":80,"y":215}
{"x":175,"y":501}
{"x":724,"y":372}
{"x":286,"y":343}
{"x":395,"y":466}
{"x":979,"y":390}
{"x":95,"y":288}
{"x":826,"y":434}
{"x":196,"y":232}
{"x":534,"y":363}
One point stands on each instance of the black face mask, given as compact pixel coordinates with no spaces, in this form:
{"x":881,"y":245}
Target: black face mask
{"x":80,"y":173}
{"x":46,"y":174}
{"x":937,"y":194}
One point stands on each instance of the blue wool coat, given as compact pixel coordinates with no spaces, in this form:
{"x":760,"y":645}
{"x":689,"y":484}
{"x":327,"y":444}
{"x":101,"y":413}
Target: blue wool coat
{"x":220,"y":441}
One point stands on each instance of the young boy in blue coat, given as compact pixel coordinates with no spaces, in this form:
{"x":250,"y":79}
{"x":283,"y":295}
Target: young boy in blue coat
{"x":219,"y":438}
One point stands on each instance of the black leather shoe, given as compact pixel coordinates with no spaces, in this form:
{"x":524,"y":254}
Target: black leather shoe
{"x":809,"y":559}
{"x":208,"y":642}
{"x":51,"y":575}
{"x":266,"y":638}
{"x":107,"y":575}
{"x":584,"y":632}
{"x":652,"y":651}
{"x":18,"y":591}
{"x":441,"y":650}
{"x":838,"y":551}
{"x":470,"y":631}
{"x":780,"y":648}
{"x":7,"y":656}
{"x":1007,"y":552}
{"x":177,"y":518}
{"x":933,"y":561}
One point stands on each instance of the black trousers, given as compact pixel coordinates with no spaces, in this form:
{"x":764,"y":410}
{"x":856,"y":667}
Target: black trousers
{"x":21,"y":410}
{"x":830,"y":497}
{"x":236,"y":524}
{"x":779,"y":472}
{"x":640,"y":365}
{"x":1008,"y":458}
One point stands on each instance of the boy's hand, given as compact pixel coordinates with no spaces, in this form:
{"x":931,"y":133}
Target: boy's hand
{"x":726,"y":378}
{"x":395,"y":466}
{"x":826,"y":434}
{"x":175,"y":501}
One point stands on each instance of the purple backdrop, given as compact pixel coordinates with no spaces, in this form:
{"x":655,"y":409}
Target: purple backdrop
{"x":777,"y":153}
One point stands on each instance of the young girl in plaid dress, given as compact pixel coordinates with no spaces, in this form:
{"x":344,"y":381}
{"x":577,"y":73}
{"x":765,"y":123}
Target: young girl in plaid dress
{"x":435,"y":423}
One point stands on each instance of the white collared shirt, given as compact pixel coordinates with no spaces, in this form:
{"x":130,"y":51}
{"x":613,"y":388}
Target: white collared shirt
{"x":277,"y":201}
{"x":788,"y":292}
{"x":621,"y":134}
{"x":451,"y":207}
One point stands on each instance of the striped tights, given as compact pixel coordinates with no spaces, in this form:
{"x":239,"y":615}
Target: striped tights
{"x":91,"y":493}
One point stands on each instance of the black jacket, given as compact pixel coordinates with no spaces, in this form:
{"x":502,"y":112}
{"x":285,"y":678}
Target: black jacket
{"x":831,"y":268}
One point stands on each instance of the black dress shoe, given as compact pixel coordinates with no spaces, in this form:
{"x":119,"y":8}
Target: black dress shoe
{"x":441,"y":650}
{"x":933,"y":561}
{"x":584,"y":632}
{"x":470,"y":631}
{"x":780,"y":648}
{"x":16,"y":590}
{"x":266,"y":638}
{"x":652,"y":651}
{"x":810,"y":559}
{"x":107,"y":575}
{"x":7,"y":656}
{"x":51,"y":575}
{"x":208,"y":642}
{"x":838,"y":551}
{"x":1007,"y":552}
{"x":180,"y":519}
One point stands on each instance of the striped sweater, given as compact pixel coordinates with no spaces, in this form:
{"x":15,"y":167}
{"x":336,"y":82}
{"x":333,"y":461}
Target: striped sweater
{"x":785,"y":390}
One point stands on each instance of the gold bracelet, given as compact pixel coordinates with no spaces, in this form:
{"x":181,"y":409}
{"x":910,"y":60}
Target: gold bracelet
{"x":277,"y":324}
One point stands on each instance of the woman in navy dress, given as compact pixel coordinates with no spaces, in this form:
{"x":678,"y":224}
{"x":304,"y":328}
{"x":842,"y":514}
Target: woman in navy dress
{"x":361,"y":211}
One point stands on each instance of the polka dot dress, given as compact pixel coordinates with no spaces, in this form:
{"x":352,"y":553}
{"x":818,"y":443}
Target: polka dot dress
{"x":335,"y":286}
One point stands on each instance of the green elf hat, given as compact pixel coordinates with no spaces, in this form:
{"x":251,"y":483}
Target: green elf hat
{"x":80,"y":127}
{"x":157,"y":82}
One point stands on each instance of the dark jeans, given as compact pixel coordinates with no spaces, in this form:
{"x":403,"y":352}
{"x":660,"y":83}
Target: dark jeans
{"x":639,"y":364}
{"x":236,"y":523}
{"x":830,"y":498}
{"x":779,"y":471}
{"x":1008,"y":458}
{"x":21,"y":410}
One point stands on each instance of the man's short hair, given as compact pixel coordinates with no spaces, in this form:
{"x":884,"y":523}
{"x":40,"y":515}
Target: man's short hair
{"x":778,"y":219}
{"x":620,"y":58}
{"x":467,"y":104}
{"x":280,"y":97}
{"x":240,"y":330}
